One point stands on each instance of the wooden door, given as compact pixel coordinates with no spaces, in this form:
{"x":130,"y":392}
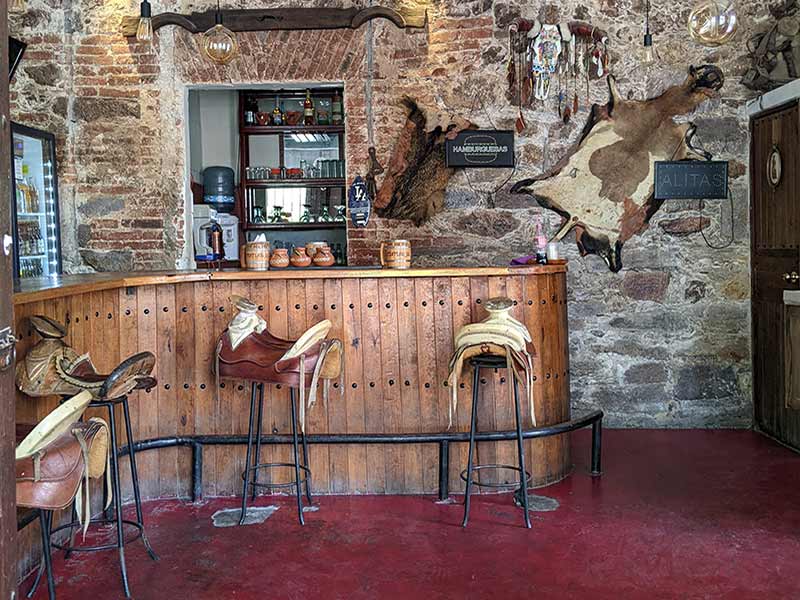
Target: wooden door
{"x":8,"y":518}
{"x":775,"y":241}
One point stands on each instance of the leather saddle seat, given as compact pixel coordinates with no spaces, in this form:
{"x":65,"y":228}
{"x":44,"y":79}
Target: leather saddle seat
{"x":247,"y":350}
{"x":51,"y":367}
{"x":263,"y":357}
{"x":59,"y":454}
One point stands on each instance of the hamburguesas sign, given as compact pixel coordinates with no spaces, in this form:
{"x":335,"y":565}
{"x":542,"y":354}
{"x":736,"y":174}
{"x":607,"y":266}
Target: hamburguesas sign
{"x":481,"y":148}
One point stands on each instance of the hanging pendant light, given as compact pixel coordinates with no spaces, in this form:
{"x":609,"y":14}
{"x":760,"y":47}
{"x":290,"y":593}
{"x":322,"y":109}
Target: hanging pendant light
{"x":219,"y":42}
{"x":144,"y":31}
{"x":713,"y":22}
{"x":647,"y":53}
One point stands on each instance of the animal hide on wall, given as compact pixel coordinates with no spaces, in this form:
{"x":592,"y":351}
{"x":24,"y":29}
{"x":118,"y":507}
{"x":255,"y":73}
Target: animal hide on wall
{"x":603,"y":186}
{"x":416,"y":176}
{"x":775,"y":53}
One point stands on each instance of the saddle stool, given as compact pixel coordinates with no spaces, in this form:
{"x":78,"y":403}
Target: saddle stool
{"x":54,"y":461}
{"x":51,"y":367}
{"x":110,"y":391}
{"x":247,"y":350}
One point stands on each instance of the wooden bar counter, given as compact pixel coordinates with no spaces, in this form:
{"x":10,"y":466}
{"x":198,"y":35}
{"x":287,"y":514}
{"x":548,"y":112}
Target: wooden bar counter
{"x":397,"y":328}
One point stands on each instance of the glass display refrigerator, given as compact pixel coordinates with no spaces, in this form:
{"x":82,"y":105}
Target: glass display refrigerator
{"x":37,"y":243}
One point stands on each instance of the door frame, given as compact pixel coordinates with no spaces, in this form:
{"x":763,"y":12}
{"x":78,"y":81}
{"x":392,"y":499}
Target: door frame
{"x":8,"y":512}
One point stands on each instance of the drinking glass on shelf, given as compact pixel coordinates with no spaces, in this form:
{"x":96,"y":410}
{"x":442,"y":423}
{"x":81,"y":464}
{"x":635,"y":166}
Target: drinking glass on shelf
{"x":277,"y":214}
{"x":324,"y":214}
{"x":258,"y":215}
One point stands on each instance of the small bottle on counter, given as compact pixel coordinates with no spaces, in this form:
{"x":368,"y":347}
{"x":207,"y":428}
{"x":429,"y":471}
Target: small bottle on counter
{"x":541,"y":242}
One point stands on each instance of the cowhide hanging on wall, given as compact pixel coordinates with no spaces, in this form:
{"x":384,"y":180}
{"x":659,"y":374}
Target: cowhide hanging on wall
{"x":603,"y":186}
{"x":416,"y":176}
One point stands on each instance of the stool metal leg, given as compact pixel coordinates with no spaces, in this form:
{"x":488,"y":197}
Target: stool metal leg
{"x":472,"y":427}
{"x":73,"y":518}
{"x":259,"y":425}
{"x":523,"y":478}
{"x":296,"y":459}
{"x":308,"y":473}
{"x":248,"y":466}
{"x":45,"y":518}
{"x":126,"y":414}
{"x":112,"y":425}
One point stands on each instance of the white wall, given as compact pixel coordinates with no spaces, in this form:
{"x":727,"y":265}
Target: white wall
{"x":213,"y":130}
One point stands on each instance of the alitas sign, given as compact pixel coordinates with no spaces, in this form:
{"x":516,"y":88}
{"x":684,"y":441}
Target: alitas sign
{"x":482,"y":148}
{"x":691,"y":179}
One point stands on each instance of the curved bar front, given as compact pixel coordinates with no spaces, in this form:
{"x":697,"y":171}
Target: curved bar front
{"x":397,"y":328}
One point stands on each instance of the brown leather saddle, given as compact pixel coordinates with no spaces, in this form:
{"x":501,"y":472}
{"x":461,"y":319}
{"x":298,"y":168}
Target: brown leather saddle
{"x":247,"y":350}
{"x":54,"y":458}
{"x":51,"y":367}
{"x":263,"y":357}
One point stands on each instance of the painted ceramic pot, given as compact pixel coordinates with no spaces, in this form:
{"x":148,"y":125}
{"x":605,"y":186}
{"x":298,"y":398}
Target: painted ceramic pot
{"x":323,"y":257}
{"x":262,"y":118}
{"x":300,"y":258}
{"x":312,"y":247}
{"x":280,"y":258}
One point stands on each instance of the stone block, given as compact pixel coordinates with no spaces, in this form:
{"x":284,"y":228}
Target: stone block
{"x":703,"y":381}
{"x":113,"y":260}
{"x":646,"y":373}
{"x":650,"y":286}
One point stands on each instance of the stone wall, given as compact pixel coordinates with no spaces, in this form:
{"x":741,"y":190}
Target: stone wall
{"x":663,"y":343}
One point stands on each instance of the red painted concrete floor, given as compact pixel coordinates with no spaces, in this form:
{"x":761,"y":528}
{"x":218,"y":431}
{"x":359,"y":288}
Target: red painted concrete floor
{"x":677,"y":514}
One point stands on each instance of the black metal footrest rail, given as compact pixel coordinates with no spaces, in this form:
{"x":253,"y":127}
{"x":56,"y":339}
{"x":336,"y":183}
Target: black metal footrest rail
{"x":196,"y":442}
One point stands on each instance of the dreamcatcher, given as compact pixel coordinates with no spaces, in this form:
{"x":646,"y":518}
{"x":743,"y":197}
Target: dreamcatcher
{"x":544,"y":57}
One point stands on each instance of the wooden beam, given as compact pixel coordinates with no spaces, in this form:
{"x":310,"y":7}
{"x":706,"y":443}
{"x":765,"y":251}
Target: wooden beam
{"x":283,"y":19}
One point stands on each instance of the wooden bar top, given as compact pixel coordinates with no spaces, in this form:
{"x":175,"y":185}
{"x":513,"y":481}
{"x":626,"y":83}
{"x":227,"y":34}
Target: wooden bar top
{"x":46,"y":288}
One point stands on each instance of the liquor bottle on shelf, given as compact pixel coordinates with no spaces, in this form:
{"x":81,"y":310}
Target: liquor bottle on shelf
{"x":308,"y":109}
{"x":250,"y":110}
{"x":336,"y":109}
{"x":277,"y":113}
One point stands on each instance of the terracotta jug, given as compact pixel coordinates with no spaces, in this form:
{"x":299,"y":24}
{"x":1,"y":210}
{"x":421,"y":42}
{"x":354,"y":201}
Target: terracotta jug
{"x":300,"y":258}
{"x":323,"y":257}
{"x":280,"y":258}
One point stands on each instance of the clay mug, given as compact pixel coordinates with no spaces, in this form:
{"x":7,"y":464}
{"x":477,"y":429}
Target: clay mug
{"x":299,"y":257}
{"x":396,"y":254}
{"x":256,"y":256}
{"x":280,"y":258}
{"x":324,"y":257}
{"x":262,"y":118}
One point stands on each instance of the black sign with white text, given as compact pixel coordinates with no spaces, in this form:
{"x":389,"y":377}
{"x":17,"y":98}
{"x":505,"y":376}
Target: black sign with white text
{"x":481,"y":148}
{"x":691,"y":179}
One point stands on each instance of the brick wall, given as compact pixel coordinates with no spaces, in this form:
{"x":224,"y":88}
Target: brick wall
{"x":639,"y":338}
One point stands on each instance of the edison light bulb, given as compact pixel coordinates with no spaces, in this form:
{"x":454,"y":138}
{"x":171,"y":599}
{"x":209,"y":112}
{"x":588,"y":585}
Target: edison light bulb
{"x":219,"y":43}
{"x":144,"y":31}
{"x":647,"y":52}
{"x":713,"y":22}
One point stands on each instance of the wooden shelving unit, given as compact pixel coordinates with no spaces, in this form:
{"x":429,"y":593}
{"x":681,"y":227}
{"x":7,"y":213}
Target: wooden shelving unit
{"x":252,"y":190}
{"x":299,"y":226}
{"x":296,"y":182}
